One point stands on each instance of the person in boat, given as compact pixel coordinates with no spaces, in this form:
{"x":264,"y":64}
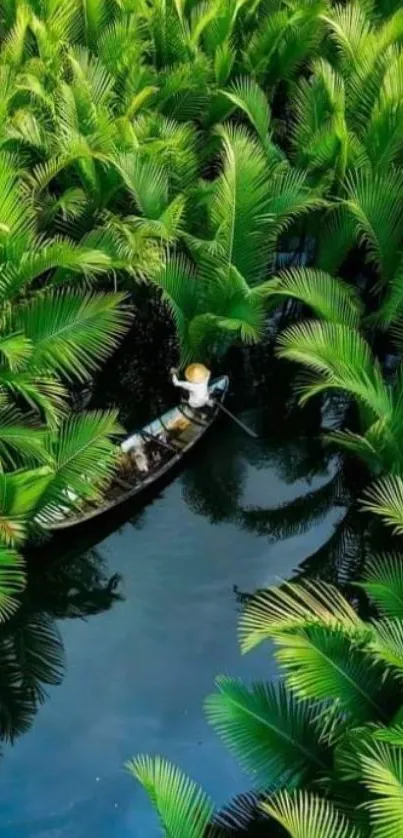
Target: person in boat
{"x":196,"y":384}
{"x":140,"y":458}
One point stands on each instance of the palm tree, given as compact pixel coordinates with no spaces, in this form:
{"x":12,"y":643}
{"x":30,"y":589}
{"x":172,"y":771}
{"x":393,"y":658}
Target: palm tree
{"x":101,"y":125}
{"x":324,"y":744}
{"x":51,"y":336}
{"x":222,"y":292}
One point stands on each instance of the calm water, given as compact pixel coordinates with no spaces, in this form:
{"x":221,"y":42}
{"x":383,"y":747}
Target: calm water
{"x":133,"y":675}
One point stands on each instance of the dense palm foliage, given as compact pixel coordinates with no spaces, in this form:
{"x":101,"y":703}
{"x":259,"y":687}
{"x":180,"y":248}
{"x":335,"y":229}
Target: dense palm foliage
{"x":324,"y":744}
{"x":52,"y":334}
{"x":234,"y":154}
{"x":187,"y":144}
{"x":199,"y":147}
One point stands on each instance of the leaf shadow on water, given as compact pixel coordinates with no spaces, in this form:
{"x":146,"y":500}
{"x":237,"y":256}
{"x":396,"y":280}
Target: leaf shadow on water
{"x":31,"y":648}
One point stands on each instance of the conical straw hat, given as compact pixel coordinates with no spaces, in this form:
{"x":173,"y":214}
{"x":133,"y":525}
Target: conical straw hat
{"x":195,"y":373}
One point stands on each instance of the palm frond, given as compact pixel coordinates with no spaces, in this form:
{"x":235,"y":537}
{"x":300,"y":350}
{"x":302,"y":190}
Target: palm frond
{"x":183,"y":809}
{"x":290,"y":199}
{"x":12,"y":580}
{"x":272,"y":733}
{"x":336,"y":239}
{"x":16,"y":349}
{"x":72,"y":334}
{"x":382,"y":772}
{"x":305,"y":815}
{"x":16,"y":216}
{"x":147,"y":182}
{"x":349,"y":27}
{"x":179,"y":285}
{"x":340,"y":359}
{"x":386,"y":644}
{"x":20,"y":492}
{"x":95,"y":15}
{"x":385,"y":498}
{"x":375,"y":201}
{"x":291,"y":607}
{"x":362,"y":446}
{"x":246,"y":95}
{"x":383,"y":138}
{"x":84,"y":458}
{"x":67,"y":257}
{"x":239,"y":204}
{"x":20,"y":443}
{"x":391,"y":307}
{"x":330,"y":298}
{"x":383,"y":582}
{"x":326,"y":664}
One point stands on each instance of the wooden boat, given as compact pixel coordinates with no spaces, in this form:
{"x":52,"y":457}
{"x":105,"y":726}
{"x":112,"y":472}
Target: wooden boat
{"x":161,"y":445}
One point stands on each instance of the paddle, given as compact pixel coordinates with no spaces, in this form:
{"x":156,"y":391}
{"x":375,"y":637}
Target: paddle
{"x":245,"y":428}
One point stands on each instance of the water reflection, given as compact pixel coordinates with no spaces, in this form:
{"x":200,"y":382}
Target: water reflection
{"x":241,"y":514}
{"x":31,"y":647}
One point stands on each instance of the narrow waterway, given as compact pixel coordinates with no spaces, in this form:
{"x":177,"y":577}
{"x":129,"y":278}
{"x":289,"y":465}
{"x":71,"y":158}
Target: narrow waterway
{"x":161,"y":614}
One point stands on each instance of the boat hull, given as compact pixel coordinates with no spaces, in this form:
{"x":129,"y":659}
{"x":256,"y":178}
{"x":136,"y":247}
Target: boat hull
{"x":143,"y":491}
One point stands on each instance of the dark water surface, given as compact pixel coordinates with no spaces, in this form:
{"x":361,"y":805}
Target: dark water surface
{"x":132,"y":677}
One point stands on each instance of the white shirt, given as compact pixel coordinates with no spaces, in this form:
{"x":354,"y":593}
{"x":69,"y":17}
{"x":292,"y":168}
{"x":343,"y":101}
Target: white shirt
{"x":198,"y":393}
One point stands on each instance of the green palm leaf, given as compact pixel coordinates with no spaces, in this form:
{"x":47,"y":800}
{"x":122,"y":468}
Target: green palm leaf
{"x":335,"y":239}
{"x":15,"y":349}
{"x":375,"y":201}
{"x":292,"y":607}
{"x":181,"y":290}
{"x":272,"y":733}
{"x":291,"y":197}
{"x":330,"y":298}
{"x":325,"y":664}
{"x":385,"y":498}
{"x":383,"y":138}
{"x":393,"y":734}
{"x":84,"y":459}
{"x":183,"y":809}
{"x":19,"y":443}
{"x":62,"y":255}
{"x":245,"y":94}
{"x":340,"y":359}
{"x":387,"y":644}
{"x":20,"y":492}
{"x":382,"y":772}
{"x":148,"y":183}
{"x":391,"y":307}
{"x":12,"y":581}
{"x":16,"y":216}
{"x":43,"y":394}
{"x":349,"y":28}
{"x":72,"y":334}
{"x":371,"y":448}
{"x":305,"y":815}
{"x":383,"y":582}
{"x":239,"y":203}
{"x":95,"y":15}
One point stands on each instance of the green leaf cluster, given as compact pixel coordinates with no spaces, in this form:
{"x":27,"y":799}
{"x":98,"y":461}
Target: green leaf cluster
{"x":324,"y":744}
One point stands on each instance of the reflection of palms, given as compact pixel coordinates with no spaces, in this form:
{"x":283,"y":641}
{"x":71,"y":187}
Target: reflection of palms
{"x":213,"y":487}
{"x":336,"y":560}
{"x":31,"y":648}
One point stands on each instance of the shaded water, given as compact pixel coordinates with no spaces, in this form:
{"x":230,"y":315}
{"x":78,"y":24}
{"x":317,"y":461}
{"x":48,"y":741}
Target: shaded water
{"x":158,"y":594}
